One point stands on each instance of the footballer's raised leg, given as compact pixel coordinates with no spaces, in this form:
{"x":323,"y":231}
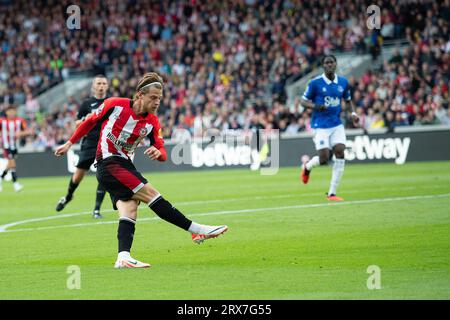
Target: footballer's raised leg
{"x":307,"y":167}
{"x":320,"y":160}
{"x":166,"y":211}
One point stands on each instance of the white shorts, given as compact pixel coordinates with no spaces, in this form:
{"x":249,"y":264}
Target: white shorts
{"x":329,"y":137}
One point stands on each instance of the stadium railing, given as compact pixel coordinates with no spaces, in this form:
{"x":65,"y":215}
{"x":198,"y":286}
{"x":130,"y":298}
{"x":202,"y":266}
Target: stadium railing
{"x":55,"y":97}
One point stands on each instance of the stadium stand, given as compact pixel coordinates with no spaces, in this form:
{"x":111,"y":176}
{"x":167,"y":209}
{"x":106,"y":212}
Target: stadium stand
{"x":226,"y":63}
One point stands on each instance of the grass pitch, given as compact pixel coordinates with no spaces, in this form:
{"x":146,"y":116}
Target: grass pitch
{"x":285,"y":241}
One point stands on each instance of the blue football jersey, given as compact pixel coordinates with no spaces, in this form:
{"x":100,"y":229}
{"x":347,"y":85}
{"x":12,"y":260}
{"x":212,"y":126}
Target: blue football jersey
{"x":323,"y":91}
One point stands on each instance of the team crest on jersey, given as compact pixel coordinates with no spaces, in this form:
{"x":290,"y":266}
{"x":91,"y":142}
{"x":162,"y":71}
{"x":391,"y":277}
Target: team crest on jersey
{"x":142,"y":132}
{"x":340,"y":89}
{"x":324,"y":89}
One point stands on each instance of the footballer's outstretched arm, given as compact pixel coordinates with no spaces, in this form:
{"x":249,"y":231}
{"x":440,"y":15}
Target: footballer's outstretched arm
{"x":307,"y":99}
{"x":354,"y":115}
{"x":83,"y":129}
{"x":311,"y":105}
{"x":307,"y":103}
{"x":347,"y":96}
{"x":157,"y":151}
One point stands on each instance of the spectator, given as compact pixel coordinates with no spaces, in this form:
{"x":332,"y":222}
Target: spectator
{"x":445,"y":120}
{"x":224,"y":67}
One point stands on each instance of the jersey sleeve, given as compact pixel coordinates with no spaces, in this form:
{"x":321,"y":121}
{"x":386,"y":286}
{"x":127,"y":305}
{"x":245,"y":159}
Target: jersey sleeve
{"x":347,"y":94}
{"x":157,"y":140}
{"x":89,"y":123}
{"x":309,"y":92}
{"x":23,"y":124}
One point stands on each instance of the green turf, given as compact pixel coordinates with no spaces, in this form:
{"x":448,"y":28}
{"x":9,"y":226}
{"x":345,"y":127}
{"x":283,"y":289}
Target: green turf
{"x":277,"y":247}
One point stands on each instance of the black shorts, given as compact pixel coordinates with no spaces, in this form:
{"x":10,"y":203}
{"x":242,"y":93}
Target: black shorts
{"x":86,"y":158}
{"x":120,"y":178}
{"x":10,"y":154}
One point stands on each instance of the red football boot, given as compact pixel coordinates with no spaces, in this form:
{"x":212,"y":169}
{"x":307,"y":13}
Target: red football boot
{"x":214,"y":233}
{"x":333,"y":197}
{"x":304,"y":176}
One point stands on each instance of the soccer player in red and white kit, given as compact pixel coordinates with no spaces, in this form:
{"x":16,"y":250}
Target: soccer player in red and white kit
{"x":12,"y":128}
{"x":125,"y":123}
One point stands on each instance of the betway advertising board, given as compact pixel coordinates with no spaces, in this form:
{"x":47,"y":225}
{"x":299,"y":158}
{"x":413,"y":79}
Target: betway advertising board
{"x":398,"y":148}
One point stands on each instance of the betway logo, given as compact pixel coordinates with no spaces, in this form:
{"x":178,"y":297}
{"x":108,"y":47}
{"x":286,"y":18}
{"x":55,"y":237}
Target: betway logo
{"x":363,"y":148}
{"x":220,"y":154}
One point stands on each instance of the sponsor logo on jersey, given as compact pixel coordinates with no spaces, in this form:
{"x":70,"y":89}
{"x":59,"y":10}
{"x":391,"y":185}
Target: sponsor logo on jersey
{"x":332,"y":102}
{"x":120,"y":143}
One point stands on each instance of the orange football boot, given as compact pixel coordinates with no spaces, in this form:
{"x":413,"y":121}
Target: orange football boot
{"x":333,"y":197}
{"x":304,"y":176}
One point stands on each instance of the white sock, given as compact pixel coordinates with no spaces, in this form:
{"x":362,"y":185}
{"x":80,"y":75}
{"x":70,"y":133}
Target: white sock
{"x":196,"y":228}
{"x":124,"y":255}
{"x":200,"y":228}
{"x":338,"y":171}
{"x":314,"y":162}
{"x":331,"y":161}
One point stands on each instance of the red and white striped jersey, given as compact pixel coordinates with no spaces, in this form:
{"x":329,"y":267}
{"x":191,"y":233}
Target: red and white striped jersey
{"x":122,"y":130}
{"x":8,"y":130}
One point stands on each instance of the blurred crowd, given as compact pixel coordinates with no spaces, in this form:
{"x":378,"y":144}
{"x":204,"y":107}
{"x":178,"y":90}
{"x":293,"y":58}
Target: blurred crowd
{"x":226,"y":63}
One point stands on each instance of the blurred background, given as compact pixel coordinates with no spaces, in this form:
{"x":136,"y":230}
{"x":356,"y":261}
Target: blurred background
{"x":228,"y":65}
{"x":237,"y":68}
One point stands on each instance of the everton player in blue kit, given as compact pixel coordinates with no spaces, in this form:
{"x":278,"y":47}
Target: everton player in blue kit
{"x":323,"y":95}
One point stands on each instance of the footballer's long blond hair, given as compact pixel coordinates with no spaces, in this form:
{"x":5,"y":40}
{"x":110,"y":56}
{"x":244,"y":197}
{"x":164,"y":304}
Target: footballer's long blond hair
{"x":149,"y":79}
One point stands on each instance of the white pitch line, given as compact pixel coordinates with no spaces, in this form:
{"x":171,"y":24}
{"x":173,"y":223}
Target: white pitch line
{"x":313,"y":205}
{"x":68,"y":215}
{"x":59,"y":216}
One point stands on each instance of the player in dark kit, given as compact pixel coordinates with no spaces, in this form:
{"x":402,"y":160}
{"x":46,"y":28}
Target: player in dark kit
{"x":125,"y":123}
{"x":88,"y":146}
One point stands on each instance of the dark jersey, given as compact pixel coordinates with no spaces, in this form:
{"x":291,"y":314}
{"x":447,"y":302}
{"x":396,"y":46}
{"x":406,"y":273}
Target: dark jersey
{"x":88,"y":106}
